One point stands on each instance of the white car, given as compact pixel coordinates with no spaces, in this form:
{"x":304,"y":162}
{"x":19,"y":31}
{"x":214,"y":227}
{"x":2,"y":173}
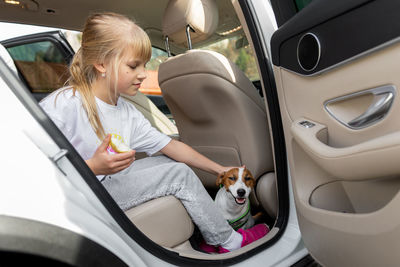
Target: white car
{"x":320,"y":134}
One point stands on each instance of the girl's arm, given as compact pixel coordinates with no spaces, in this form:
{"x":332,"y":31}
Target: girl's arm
{"x":184,"y":153}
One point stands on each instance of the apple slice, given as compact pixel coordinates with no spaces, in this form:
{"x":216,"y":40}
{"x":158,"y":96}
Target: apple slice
{"x":118,"y":145}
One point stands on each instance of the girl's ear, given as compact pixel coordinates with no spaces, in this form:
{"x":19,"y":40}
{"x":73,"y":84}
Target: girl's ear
{"x":219,"y":178}
{"x":100,"y":67}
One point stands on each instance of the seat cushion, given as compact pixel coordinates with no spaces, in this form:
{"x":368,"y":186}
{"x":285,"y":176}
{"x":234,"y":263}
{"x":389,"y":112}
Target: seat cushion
{"x":267,"y":195}
{"x":164,"y":220}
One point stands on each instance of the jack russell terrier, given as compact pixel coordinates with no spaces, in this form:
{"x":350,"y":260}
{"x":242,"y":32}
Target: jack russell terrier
{"x":233,"y":197}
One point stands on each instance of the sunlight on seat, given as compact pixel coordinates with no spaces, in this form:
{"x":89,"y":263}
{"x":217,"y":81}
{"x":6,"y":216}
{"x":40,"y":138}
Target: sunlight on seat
{"x":225,"y":62}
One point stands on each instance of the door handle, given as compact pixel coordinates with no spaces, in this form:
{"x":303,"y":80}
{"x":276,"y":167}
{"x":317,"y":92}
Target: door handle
{"x":376,"y":111}
{"x":382,"y":101}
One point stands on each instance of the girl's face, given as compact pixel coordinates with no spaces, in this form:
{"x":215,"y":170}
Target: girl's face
{"x":131,"y":73}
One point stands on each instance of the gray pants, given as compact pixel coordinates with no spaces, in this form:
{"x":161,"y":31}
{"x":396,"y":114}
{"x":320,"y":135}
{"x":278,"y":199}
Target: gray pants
{"x":155,"y":177}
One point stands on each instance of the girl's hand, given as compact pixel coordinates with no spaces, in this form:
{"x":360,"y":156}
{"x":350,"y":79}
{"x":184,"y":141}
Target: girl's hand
{"x":104,"y":163}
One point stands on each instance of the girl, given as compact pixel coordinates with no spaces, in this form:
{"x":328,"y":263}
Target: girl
{"x":110,"y":62}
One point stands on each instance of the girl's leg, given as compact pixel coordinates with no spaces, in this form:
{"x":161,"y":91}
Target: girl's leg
{"x":155,"y":177}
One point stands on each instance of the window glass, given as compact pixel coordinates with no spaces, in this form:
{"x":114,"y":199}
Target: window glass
{"x":74,"y":39}
{"x":237,"y":50}
{"x":41,"y":64}
{"x":150,"y":85}
{"x":300,"y":4}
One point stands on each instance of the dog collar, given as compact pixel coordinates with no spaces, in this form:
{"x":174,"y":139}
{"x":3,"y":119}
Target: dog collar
{"x":241,"y":220}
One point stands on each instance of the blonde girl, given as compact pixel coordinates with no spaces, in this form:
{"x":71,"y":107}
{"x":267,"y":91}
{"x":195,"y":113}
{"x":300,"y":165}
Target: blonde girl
{"x":111,"y":62}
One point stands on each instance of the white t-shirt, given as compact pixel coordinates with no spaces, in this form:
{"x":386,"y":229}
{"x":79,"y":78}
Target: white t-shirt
{"x":123,"y":119}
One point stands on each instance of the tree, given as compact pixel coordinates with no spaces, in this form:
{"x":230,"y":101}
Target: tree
{"x":242,"y":60}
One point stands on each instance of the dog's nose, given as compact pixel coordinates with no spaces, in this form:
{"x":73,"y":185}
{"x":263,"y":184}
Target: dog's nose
{"x":241,"y":192}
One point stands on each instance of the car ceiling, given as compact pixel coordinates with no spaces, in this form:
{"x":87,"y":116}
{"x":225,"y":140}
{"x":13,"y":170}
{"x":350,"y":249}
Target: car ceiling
{"x":71,"y":15}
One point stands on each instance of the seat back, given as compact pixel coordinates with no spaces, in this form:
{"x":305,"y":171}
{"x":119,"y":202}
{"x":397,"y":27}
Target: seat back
{"x":216,"y":108}
{"x":217,"y":111}
{"x":150,"y":111}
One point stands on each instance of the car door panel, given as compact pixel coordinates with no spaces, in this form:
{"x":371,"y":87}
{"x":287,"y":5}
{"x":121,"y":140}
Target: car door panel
{"x":345,"y":179}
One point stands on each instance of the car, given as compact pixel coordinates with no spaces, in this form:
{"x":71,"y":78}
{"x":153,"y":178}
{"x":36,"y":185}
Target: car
{"x":320,"y":134}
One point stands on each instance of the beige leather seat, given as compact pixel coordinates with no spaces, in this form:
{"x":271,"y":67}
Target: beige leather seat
{"x":216,"y":108}
{"x":150,"y":111}
{"x":164,"y":220}
{"x":157,"y":119}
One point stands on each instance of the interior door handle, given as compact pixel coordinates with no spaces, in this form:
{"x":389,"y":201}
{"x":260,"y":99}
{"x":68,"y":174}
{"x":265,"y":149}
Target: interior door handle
{"x":376,"y":111}
{"x":382,"y":101}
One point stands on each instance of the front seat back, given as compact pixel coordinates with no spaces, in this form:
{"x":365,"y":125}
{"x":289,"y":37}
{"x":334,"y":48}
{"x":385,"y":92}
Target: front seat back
{"x":216,"y":108}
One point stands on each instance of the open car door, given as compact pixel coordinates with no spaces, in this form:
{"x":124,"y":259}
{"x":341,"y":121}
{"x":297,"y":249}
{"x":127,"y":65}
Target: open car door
{"x":337,"y":72}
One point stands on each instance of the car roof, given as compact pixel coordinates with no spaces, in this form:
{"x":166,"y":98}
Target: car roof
{"x":11,"y":30}
{"x":72,"y":14}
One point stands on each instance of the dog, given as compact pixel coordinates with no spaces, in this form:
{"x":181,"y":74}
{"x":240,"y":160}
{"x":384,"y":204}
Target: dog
{"x":233,"y":197}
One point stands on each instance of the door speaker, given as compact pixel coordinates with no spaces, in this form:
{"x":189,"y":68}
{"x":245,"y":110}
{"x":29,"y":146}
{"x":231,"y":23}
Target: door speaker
{"x":308,"y":51}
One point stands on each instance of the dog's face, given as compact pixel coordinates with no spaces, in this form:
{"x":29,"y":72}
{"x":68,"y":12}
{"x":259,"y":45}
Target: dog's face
{"x":239,"y":182}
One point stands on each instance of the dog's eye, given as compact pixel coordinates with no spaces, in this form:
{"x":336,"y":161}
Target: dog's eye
{"x":232,"y":178}
{"x":247,"y":178}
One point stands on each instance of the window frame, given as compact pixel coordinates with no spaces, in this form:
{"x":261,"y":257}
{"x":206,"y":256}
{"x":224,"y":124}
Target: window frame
{"x":55,"y":37}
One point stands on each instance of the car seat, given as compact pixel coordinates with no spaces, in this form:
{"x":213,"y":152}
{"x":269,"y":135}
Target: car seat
{"x":216,"y":108}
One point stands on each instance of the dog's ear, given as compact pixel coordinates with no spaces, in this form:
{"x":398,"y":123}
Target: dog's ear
{"x":219,"y":178}
{"x":250,"y":181}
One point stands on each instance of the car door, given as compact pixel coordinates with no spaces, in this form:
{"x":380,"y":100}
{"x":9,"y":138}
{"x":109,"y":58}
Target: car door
{"x":337,"y":71}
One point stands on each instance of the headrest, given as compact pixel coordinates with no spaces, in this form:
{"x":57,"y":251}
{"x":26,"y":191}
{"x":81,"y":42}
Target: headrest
{"x":200,"y":15}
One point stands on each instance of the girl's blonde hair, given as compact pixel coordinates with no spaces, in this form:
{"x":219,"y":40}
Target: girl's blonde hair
{"x":106,"y":37}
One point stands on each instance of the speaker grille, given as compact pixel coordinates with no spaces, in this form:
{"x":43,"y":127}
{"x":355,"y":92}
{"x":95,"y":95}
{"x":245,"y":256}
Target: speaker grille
{"x":308,"y":51}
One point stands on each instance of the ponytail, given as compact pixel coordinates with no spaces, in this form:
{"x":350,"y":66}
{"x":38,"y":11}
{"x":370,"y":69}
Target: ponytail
{"x":80,"y":82}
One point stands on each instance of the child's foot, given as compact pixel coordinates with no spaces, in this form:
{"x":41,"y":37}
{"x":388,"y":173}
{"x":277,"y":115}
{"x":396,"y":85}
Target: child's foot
{"x":249,"y":235}
{"x":207,"y":248}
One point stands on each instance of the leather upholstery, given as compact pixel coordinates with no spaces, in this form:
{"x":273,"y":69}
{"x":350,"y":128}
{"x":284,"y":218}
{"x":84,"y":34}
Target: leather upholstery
{"x":267,"y":195}
{"x":215,"y":106}
{"x":201,"y":15}
{"x":150,"y":111}
{"x":217,"y":111}
{"x":164,"y":220}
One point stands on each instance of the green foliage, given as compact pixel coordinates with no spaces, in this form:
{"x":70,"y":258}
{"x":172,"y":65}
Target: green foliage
{"x":300,"y":4}
{"x":158,"y":56}
{"x":244,"y":57}
{"x":242,"y":60}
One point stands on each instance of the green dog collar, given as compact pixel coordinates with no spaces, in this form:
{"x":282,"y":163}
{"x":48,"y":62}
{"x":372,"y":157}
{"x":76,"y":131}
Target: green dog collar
{"x":241,"y":220}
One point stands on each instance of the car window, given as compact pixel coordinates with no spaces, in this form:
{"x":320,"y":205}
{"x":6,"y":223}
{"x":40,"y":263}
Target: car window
{"x":150,"y":85}
{"x":41,"y":64}
{"x":300,"y":4}
{"x":237,"y":50}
